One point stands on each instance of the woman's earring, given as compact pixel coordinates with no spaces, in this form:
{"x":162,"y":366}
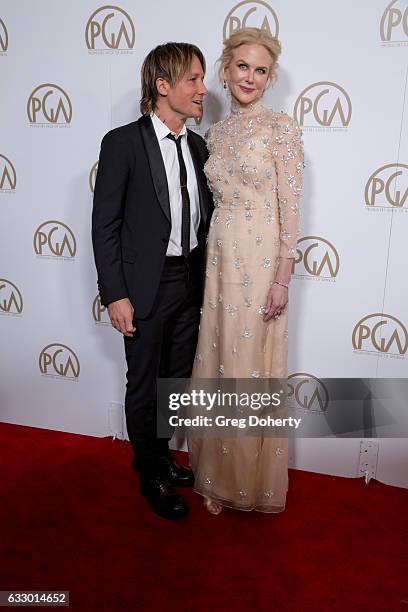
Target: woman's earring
{"x":225,"y":84}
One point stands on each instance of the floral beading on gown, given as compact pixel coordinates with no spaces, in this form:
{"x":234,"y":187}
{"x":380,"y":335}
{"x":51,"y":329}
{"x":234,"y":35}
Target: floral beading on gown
{"x":255,"y":174}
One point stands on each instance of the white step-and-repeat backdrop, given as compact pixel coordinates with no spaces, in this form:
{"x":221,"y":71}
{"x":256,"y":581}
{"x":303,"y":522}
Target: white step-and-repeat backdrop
{"x":70,"y":72}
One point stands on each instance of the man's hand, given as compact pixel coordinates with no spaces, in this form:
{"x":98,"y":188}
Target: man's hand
{"x":121,"y":316}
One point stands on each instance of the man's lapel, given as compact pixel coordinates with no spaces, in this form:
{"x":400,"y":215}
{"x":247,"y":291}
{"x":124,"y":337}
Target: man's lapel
{"x":156,"y":164}
{"x":201,"y":181}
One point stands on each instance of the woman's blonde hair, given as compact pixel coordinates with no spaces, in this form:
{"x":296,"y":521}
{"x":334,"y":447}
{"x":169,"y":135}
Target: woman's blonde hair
{"x":250,"y":36}
{"x":170,"y":62}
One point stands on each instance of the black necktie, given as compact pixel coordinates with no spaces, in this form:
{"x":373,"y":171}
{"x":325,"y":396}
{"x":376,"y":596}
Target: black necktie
{"x":185,"y":198}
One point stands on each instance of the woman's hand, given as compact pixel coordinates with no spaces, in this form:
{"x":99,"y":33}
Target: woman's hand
{"x":276,"y":301}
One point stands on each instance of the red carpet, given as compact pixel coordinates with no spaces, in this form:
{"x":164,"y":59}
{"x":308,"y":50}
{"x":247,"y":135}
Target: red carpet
{"x":72,"y":519}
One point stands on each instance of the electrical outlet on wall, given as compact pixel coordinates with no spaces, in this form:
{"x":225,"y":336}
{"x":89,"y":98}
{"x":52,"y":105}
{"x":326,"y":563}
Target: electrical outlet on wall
{"x":368,"y":459}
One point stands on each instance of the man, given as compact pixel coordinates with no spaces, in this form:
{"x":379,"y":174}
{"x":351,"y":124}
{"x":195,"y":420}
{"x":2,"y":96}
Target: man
{"x":149,"y":225}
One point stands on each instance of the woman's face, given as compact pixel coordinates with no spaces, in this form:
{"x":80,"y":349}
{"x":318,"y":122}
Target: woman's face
{"x":248,"y":73}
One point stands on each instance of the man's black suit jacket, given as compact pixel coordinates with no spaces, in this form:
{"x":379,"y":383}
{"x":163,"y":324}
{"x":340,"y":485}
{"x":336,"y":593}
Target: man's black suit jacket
{"x":131,"y":219}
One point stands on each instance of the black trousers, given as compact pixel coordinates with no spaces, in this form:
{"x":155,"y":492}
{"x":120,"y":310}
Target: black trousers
{"x":163,"y":346}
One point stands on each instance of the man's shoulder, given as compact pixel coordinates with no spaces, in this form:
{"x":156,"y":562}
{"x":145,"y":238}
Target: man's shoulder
{"x":124,"y":132}
{"x":196,"y":137}
{"x":199,"y":142}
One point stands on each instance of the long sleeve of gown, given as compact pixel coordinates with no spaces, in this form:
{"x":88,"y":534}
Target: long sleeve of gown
{"x":287,"y":151}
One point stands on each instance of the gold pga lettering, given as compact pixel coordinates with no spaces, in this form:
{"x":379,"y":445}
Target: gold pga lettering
{"x":380,"y":332}
{"x":394,"y":21}
{"x":324,"y":104}
{"x":98,"y":310}
{"x":109,"y":26}
{"x":8,"y":175}
{"x":387,"y":186}
{"x":11,"y":300}
{"x":319,"y":258}
{"x":59,"y":360}
{"x":308,"y":391}
{"x":49,"y":103}
{"x":3,"y":37}
{"x":54,"y":238}
{"x":255,"y":14}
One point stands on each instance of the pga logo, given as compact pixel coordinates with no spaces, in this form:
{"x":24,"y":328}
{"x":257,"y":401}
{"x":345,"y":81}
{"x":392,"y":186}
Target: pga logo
{"x":8,"y":175}
{"x":54,"y":239}
{"x":251,"y":14}
{"x":394,"y":22}
{"x":11,"y":300}
{"x":307,"y":392}
{"x":110,"y":28}
{"x":49,"y":104}
{"x":316,"y":257}
{"x":323,"y":104}
{"x":387,"y":187}
{"x":381,"y":333}
{"x":58,"y":360}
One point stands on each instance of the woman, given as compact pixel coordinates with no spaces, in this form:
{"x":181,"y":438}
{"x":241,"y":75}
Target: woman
{"x":254,"y":171}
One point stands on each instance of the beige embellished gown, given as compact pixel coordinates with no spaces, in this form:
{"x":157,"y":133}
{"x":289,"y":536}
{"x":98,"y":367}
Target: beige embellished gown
{"x":255,"y":173}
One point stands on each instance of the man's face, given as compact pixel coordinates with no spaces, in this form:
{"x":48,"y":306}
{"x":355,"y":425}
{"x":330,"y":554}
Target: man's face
{"x":186,"y":97}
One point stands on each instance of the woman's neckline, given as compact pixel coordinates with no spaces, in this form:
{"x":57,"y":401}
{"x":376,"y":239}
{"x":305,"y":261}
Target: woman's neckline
{"x":237,"y":109}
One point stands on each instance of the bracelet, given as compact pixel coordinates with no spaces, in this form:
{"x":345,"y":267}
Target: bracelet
{"x":281,"y":284}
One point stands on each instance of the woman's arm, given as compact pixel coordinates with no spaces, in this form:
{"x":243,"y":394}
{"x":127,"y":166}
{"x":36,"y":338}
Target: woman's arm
{"x":287,"y":152}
